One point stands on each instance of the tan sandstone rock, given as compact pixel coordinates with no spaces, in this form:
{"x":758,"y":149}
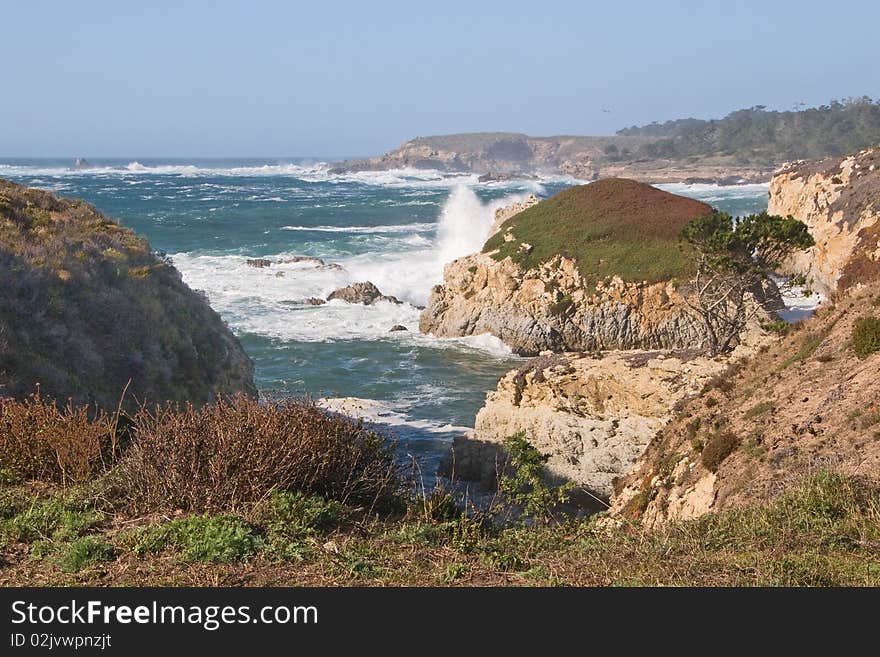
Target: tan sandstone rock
{"x":552,"y":307}
{"x":593,"y":414}
{"x":839,"y":200}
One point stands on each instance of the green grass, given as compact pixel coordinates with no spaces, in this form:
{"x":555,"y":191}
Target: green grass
{"x":612,"y":227}
{"x":777,"y":326}
{"x":823,"y":531}
{"x":56,"y":518}
{"x":809,"y":344}
{"x":757,"y":410}
{"x":82,"y":552}
{"x":212,"y":539}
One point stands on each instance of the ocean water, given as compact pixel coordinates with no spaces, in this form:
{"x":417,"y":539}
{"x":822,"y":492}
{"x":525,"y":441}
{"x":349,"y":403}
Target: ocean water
{"x":394,"y":228}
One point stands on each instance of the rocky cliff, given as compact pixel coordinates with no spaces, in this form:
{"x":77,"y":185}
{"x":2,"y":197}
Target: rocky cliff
{"x":595,"y":267}
{"x":807,"y":402}
{"x":495,"y":152}
{"x":839,"y":200}
{"x":593,"y":414}
{"x":86,"y":307}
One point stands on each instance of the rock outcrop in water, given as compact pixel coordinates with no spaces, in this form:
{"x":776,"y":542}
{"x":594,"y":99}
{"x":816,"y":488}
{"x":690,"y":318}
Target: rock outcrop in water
{"x":86,"y":307}
{"x":592,"y":413}
{"x":576,"y":299}
{"x":554,"y":308}
{"x":363,"y":293}
{"x":839,"y":200}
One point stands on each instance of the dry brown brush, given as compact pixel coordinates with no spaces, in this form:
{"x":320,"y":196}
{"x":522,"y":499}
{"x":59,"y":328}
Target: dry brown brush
{"x":45,"y":441}
{"x":232,"y":454}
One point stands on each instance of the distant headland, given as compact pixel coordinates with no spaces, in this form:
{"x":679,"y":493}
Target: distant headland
{"x":745,"y":146}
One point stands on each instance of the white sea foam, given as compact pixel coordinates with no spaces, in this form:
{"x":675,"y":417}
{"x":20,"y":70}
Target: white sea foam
{"x":271,"y":301}
{"x":319,"y":172}
{"x":798,"y":305}
{"x":709,"y":193}
{"x":392,"y":228}
{"x":462,"y":229}
{"x":379,"y":412}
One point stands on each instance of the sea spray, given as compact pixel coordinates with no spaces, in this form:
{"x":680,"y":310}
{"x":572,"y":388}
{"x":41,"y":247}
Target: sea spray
{"x":463,"y":225}
{"x":409,"y":262}
{"x":462,"y":228}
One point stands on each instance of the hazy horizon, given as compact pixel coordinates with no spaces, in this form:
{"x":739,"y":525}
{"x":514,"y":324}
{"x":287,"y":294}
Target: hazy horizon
{"x":273,"y":81}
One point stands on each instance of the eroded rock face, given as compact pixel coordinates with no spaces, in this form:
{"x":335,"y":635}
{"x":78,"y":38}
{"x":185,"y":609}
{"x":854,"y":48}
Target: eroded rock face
{"x":839,"y":200}
{"x":364,"y":293}
{"x":785,"y":414}
{"x":553,"y":308}
{"x":593,"y":415}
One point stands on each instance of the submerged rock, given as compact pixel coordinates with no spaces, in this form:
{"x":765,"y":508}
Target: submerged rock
{"x":315,"y":301}
{"x":259,"y":263}
{"x":318,"y":262}
{"x":397,"y":327}
{"x":364,"y":293}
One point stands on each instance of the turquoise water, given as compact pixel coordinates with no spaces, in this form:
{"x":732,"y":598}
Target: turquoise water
{"x":396,"y":229}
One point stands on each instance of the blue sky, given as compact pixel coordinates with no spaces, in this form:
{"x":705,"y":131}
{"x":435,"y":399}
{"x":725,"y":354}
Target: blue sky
{"x":265,"y":78}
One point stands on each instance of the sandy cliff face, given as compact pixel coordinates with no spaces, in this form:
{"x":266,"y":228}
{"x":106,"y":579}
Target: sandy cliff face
{"x":593,"y":414}
{"x":805,"y":403}
{"x":809,"y":401}
{"x":839,"y":200}
{"x":553,"y":308}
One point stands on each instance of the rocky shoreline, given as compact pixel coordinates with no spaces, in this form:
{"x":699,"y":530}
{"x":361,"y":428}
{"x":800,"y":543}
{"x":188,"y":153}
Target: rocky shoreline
{"x":554,"y":305}
{"x":507,"y":156}
{"x":619,"y":394}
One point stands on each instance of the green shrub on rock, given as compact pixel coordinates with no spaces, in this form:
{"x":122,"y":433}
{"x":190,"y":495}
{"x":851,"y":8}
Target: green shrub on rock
{"x":524,"y":484}
{"x":719,"y":448}
{"x":866,"y":336}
